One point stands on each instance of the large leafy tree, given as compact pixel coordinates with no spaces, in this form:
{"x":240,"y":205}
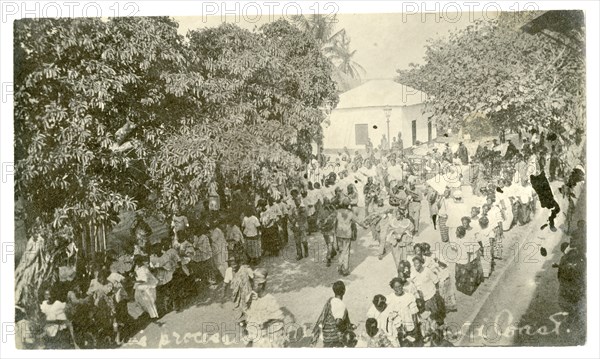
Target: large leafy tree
{"x":492,"y":71}
{"x":115,"y":115}
{"x":257,"y":110}
{"x":105,"y":109}
{"x":92,"y":101}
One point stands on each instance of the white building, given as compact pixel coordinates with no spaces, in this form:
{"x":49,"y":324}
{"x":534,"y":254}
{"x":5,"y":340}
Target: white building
{"x":360,"y":115}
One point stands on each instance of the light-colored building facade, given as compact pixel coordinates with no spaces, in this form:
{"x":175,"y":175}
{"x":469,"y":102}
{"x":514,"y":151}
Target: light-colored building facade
{"x":360,"y":115}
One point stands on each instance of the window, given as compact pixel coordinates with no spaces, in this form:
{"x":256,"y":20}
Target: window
{"x":362,"y":134}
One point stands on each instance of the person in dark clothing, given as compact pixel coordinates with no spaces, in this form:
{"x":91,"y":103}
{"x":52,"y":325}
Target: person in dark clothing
{"x":299,"y":224}
{"x":542,"y":187}
{"x":542,"y":152}
{"x":576,"y":176}
{"x":579,"y":237}
{"x":511,"y":151}
{"x":571,"y":278}
{"x":478,"y":153}
{"x":447,"y":155}
{"x":568,"y":191}
{"x":463,"y":154}
{"x":554,"y":163}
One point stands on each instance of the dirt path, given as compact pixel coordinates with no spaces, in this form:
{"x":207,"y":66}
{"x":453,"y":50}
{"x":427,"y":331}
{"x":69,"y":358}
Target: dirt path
{"x":303,"y":287}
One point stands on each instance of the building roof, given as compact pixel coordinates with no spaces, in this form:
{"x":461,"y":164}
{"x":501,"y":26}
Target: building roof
{"x":380,"y":93}
{"x":562,"y":26}
{"x":561,"y":21}
{"x":344,"y":82}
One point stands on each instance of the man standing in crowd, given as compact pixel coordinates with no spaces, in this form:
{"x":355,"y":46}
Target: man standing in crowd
{"x":384,"y":144}
{"x":334,"y":321}
{"x":371,"y":191}
{"x":400,"y":145}
{"x":395,"y":171}
{"x":346,"y":219}
{"x":299,"y":224}
{"x":414,"y":206}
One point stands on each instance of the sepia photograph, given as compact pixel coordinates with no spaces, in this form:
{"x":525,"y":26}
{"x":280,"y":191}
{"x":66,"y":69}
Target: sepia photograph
{"x":298,"y":175}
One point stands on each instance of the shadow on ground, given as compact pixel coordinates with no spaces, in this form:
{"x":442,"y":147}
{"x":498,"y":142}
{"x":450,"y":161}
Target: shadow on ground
{"x":572,"y":329}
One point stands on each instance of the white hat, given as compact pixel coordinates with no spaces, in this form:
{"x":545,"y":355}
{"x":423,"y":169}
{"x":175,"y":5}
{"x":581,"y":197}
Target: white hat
{"x":457,"y":194}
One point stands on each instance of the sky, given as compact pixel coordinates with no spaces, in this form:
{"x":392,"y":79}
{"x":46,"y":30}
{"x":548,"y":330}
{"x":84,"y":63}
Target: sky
{"x":384,"y":42}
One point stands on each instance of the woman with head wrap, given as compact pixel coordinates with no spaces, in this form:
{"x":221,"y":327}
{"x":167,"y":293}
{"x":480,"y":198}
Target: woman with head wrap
{"x":443,"y":210}
{"x":241,"y":286}
{"x":468,"y":271}
{"x":264,"y":317}
{"x":441,"y":270}
{"x":333,"y":322}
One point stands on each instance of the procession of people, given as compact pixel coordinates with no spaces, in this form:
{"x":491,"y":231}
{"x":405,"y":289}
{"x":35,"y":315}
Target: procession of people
{"x":385,"y":194}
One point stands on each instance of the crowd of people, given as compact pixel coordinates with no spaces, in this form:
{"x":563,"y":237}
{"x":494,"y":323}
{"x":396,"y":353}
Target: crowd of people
{"x":381,"y":191}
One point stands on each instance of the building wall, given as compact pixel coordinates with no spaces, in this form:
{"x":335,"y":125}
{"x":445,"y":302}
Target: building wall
{"x":411,"y":113}
{"x":341,"y":131}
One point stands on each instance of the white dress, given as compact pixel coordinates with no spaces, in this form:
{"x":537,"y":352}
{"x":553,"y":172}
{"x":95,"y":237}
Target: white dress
{"x":54,"y":312}
{"x":145,"y":290}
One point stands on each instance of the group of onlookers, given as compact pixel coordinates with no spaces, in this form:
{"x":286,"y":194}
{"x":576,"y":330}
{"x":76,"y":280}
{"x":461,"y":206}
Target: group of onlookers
{"x":380,"y":192}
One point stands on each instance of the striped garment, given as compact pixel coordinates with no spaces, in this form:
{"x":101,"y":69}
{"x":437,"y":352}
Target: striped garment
{"x":444,"y":230}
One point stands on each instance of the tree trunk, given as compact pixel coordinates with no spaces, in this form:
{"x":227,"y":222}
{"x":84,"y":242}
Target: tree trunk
{"x":104,"y":236}
{"x":92,"y":241}
{"x":82,"y":239}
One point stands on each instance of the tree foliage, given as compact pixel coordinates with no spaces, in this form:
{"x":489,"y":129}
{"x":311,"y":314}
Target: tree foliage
{"x":91,"y":105}
{"x":107,"y":112}
{"x":257,"y":109}
{"x":510,"y":78}
{"x":335,"y":45}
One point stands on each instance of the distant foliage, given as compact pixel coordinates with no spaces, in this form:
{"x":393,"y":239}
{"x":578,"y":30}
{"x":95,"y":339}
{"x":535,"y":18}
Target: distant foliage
{"x":493,"y":71}
{"x":257,"y":97}
{"x":115,"y":115}
{"x":335,"y":45}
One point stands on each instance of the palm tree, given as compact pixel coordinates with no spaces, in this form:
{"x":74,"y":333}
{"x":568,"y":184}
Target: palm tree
{"x":342,"y":57}
{"x":320,"y":27}
{"x":334,"y":45}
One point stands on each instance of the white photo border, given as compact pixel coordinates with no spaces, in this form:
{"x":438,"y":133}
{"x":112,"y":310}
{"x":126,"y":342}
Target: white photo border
{"x":12,"y":10}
